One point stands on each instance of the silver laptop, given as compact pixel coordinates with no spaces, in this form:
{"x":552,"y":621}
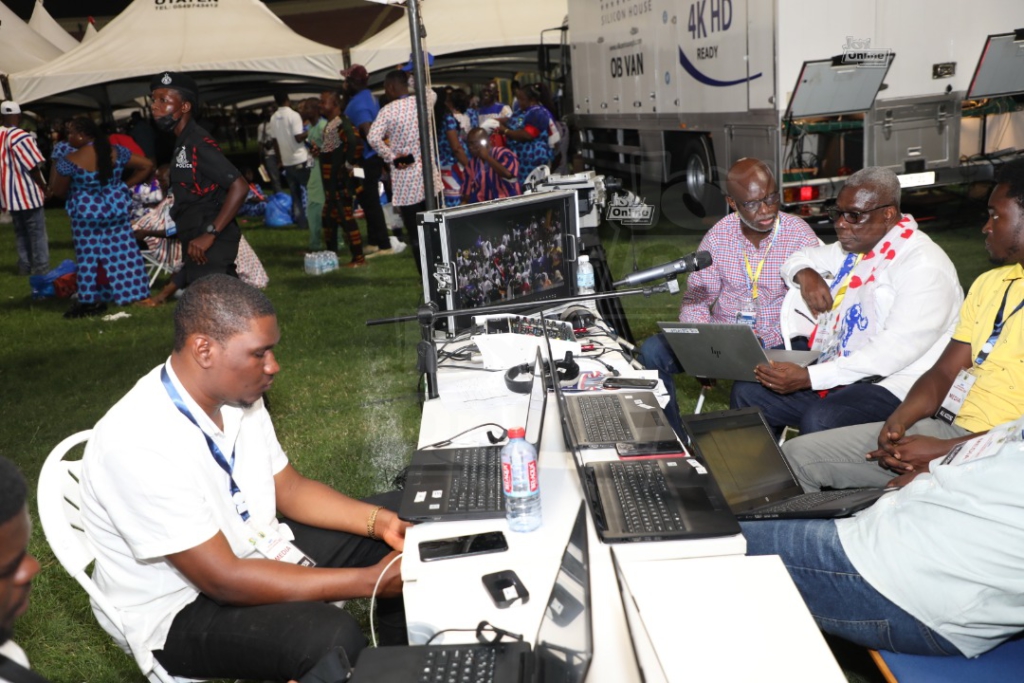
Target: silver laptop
{"x":725,"y":351}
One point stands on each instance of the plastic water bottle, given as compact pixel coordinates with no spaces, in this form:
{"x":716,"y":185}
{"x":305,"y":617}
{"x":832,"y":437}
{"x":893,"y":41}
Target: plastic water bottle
{"x":520,"y":481}
{"x":308,"y":265}
{"x":585,"y":280}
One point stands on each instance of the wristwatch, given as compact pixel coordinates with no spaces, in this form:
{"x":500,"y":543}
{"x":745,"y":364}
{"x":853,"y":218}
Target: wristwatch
{"x":211,"y":229}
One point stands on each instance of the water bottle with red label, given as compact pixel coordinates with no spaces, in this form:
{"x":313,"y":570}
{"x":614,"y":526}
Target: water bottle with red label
{"x":520,"y":481}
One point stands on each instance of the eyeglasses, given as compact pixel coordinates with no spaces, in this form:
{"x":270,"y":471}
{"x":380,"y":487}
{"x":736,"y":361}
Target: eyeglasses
{"x":770,"y":200}
{"x":835,"y":212}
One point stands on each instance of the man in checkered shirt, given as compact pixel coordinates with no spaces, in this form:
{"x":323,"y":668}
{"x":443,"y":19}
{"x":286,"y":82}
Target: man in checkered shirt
{"x":748,"y":247}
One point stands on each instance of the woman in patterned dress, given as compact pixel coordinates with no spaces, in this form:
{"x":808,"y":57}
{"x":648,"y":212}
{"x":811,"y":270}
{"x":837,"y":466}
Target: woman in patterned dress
{"x":453,"y":123}
{"x":88,"y":171}
{"x":526,"y":132}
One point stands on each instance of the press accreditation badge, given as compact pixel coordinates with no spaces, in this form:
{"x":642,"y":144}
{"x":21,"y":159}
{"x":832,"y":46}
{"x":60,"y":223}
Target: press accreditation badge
{"x":747,"y":314}
{"x":954,"y":400}
{"x":271,"y":545}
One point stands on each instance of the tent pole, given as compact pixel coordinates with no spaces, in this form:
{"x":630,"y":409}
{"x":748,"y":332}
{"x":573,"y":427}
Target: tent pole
{"x":417,"y":32}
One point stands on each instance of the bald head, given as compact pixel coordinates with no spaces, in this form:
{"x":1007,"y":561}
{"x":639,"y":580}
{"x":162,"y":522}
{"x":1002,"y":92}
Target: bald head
{"x":752,"y":193}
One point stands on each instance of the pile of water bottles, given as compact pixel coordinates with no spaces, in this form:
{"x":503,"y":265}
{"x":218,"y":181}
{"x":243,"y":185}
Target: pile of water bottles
{"x":320,"y":262}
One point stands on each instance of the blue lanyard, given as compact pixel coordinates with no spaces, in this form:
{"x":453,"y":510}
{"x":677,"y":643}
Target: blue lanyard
{"x":997,"y":327}
{"x":218,"y":456}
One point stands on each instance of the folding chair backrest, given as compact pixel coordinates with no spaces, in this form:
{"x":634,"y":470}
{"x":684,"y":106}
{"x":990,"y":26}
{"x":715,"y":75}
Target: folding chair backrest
{"x":60,"y":512}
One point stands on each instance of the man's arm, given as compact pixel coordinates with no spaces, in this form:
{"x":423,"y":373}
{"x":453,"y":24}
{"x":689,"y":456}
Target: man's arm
{"x":703,"y":286}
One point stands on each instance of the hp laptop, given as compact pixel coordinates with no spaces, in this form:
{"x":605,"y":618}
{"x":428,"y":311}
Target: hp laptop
{"x":724,"y":351}
{"x":603,"y":419}
{"x":564,"y":645}
{"x":740,"y":450}
{"x":452,"y":484}
{"x":648,"y":500}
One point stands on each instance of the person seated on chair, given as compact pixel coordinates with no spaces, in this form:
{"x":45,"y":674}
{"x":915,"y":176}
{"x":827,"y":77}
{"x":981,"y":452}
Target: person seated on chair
{"x":17,"y":568}
{"x":979,"y":372}
{"x":931,"y":569}
{"x":748,"y":247}
{"x":182,"y":482}
{"x":884,"y":319}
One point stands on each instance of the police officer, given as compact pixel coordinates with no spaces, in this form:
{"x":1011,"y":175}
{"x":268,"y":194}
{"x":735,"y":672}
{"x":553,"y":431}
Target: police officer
{"x":208,"y":189}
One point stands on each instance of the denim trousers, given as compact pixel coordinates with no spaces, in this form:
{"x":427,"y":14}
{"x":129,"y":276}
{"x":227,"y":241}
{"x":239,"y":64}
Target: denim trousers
{"x":841,"y":601}
{"x":850,"y":405}
{"x":31,"y":241}
{"x":655,"y":354}
{"x":282,"y":641}
{"x":298,"y":177}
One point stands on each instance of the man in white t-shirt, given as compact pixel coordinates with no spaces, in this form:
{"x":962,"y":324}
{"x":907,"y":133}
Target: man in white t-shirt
{"x":290,"y":138}
{"x":182,"y":483}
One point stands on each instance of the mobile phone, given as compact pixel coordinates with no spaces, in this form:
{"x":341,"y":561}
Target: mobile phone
{"x":629,"y":383}
{"x":640,"y":449}
{"x":406,"y":159}
{"x":463,"y":546}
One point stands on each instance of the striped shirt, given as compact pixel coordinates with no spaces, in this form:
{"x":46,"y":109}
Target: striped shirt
{"x":19,"y":154}
{"x":716,"y":293}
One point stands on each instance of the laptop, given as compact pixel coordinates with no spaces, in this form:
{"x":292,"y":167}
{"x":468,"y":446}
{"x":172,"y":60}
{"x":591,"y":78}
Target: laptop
{"x":603,"y":419}
{"x":725,"y":351}
{"x":564,"y":643}
{"x":740,"y":450}
{"x":644,"y":652}
{"x":659,"y":499}
{"x":454,"y":484}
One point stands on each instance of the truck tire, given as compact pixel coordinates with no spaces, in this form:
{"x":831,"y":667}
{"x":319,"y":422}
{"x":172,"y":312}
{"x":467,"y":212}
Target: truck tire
{"x":700,"y":192}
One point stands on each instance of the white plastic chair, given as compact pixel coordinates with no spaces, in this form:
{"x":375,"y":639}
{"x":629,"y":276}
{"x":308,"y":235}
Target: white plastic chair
{"x":60,"y":512}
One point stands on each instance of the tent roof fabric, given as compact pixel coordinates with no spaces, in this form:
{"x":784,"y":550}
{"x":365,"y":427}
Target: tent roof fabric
{"x":20,"y":47}
{"x":43,"y":24}
{"x":150,"y":36}
{"x":462,"y":25}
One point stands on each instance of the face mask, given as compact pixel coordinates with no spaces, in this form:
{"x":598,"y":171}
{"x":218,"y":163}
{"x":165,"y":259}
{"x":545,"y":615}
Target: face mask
{"x":166,"y":123}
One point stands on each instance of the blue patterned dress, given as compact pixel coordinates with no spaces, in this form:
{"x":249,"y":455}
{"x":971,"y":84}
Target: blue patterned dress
{"x":110,"y":266}
{"x":537,"y":151}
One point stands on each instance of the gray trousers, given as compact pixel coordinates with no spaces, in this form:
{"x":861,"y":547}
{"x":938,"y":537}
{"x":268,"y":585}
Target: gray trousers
{"x":836,"y":457}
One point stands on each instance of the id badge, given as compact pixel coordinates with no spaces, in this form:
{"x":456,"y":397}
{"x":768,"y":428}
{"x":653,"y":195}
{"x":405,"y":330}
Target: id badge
{"x":747,"y":314}
{"x":954,"y":400}
{"x":271,"y":545}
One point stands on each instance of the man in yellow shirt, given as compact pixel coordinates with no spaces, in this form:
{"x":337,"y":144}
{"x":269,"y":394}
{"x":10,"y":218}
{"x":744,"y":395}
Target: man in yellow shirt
{"x":977,"y":382}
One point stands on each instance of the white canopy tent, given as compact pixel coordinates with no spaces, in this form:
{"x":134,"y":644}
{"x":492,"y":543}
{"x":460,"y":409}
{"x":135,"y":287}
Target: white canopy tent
{"x":212,"y":37}
{"x":455,"y":26}
{"x":45,"y":25}
{"x":21,"y":47}
{"x":90,"y":31}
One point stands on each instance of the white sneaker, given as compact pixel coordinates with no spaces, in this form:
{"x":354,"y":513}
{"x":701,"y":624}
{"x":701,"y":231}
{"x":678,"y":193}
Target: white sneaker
{"x":397,"y":246}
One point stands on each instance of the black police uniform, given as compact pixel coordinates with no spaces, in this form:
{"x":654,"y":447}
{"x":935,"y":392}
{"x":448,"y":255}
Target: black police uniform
{"x":200,"y":176}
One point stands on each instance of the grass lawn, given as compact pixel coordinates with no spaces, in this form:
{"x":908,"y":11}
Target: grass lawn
{"x":345,"y":404}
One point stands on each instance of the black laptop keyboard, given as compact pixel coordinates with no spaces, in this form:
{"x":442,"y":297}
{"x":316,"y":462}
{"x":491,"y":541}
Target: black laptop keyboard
{"x":603,"y":419}
{"x":459,"y":665}
{"x":476,"y":486}
{"x":805,"y":502}
{"x":646,"y":501}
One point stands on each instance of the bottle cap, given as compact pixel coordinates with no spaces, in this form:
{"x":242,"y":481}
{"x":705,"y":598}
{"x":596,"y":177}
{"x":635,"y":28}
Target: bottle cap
{"x":517,"y":433}
{"x":583,"y":258}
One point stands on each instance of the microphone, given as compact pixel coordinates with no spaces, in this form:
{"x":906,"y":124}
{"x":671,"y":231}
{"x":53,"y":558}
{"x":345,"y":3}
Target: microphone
{"x":687,"y":264}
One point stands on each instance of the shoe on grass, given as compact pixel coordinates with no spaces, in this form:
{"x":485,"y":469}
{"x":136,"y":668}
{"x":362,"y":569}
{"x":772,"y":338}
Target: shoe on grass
{"x":355,"y":264}
{"x":81,"y":310}
{"x":380,"y":252}
{"x":398,"y":246}
{"x":370,"y":249}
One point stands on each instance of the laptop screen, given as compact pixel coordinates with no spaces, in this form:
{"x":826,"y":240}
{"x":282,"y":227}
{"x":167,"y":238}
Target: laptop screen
{"x":742,"y":454}
{"x":565,"y":640}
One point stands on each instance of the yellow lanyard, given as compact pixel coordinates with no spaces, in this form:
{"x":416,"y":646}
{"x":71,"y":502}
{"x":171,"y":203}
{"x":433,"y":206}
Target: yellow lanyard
{"x":754,"y":277}
{"x":838,"y":299}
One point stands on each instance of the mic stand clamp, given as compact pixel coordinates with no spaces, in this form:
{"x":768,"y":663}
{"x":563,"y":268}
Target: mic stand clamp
{"x":426,"y":352}
{"x":669,"y":287}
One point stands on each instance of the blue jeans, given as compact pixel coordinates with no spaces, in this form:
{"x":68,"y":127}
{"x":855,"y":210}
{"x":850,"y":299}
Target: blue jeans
{"x":31,"y":242}
{"x":841,"y":601}
{"x":850,"y":405}
{"x":655,"y":354}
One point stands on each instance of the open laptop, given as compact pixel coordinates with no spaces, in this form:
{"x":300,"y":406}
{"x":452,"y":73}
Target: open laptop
{"x":725,"y":351}
{"x":649,"y":500}
{"x":564,"y":644}
{"x":603,"y":419}
{"x":644,"y":652}
{"x":453,"y":484}
{"x":741,"y":451}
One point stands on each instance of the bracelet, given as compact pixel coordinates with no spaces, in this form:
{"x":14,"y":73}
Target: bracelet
{"x":371,"y":523}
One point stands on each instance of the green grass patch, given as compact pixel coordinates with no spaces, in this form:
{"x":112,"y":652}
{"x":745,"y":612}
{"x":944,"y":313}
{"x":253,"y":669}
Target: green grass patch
{"x":345,"y":404}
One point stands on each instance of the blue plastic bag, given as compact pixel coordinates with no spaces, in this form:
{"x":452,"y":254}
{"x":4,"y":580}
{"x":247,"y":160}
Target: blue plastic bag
{"x":279,"y":210}
{"x":42,"y":285}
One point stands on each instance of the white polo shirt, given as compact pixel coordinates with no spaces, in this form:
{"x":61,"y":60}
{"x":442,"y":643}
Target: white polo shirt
{"x":284,"y":125}
{"x":151,"y":488}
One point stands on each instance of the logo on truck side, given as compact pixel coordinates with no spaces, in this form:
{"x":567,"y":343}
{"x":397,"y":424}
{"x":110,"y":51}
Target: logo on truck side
{"x":859,"y":51}
{"x":708,"y":80}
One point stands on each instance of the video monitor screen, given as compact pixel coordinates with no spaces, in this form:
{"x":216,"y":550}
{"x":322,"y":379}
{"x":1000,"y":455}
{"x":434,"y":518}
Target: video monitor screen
{"x":519,"y":249}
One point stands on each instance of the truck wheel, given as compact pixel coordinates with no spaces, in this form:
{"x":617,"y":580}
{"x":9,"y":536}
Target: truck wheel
{"x":699,"y":191}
